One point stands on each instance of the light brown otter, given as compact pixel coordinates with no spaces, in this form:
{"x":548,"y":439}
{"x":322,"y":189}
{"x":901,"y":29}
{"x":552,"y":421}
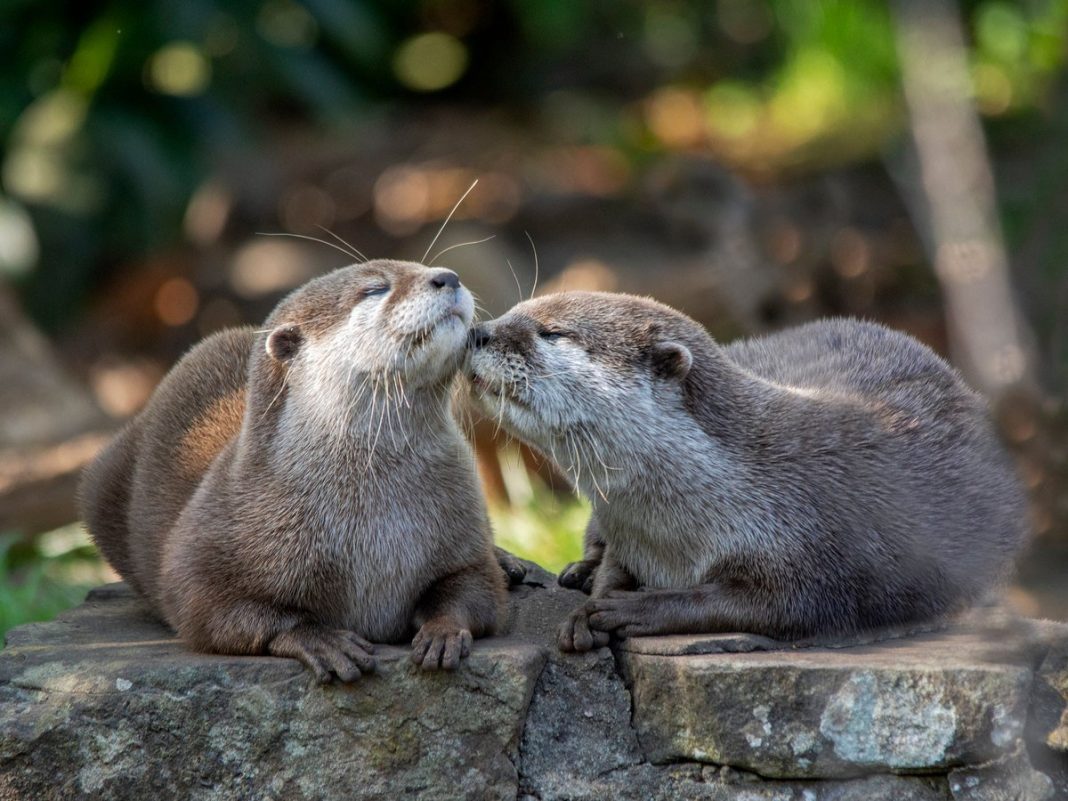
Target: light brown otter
{"x":833,"y":478}
{"x":304,"y":491}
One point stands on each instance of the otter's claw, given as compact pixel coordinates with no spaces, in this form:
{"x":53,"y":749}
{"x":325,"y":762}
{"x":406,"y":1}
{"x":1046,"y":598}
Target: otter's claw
{"x":439,"y":645}
{"x":328,"y":652}
{"x":578,"y":575}
{"x":513,"y":568}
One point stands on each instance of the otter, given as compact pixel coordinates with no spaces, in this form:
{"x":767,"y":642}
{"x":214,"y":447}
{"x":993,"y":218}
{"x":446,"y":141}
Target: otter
{"x":304,"y":491}
{"x":830,"y":479}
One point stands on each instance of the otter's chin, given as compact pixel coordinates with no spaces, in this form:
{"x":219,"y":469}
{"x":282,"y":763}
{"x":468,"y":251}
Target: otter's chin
{"x":515,"y":416}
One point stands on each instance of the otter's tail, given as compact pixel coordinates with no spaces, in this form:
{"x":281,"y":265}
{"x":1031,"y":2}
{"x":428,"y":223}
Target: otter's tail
{"x":104,"y":500}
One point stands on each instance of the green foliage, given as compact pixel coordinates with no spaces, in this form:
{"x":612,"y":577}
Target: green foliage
{"x":545,"y":529}
{"x":46,"y":577}
{"x":111,"y":114}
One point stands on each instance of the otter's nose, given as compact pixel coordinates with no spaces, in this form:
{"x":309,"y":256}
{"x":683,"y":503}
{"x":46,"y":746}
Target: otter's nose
{"x":479,"y":337}
{"x":444,"y":278}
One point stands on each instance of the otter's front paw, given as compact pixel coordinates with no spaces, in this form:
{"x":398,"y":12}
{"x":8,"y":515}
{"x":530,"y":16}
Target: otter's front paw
{"x":328,"y":652}
{"x":514,"y":570}
{"x":578,"y":575}
{"x":575,"y":633}
{"x":440,"y":645}
{"x":624,"y":613}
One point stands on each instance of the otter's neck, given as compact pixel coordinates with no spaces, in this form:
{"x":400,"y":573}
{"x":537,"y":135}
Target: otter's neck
{"x":371,"y":423}
{"x":684,"y":463}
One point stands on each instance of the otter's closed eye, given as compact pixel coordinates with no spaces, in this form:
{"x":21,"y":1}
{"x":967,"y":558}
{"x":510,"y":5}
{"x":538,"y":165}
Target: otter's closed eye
{"x":377,"y":289}
{"x":552,"y":335}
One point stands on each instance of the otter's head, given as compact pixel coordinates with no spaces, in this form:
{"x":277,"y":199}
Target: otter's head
{"x":392,"y":320}
{"x":581,"y":366}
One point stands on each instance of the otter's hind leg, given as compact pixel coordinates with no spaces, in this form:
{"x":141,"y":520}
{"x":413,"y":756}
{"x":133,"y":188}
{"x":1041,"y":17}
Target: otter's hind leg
{"x":207,"y":620}
{"x":457,"y":608}
{"x":580,"y":575}
{"x":104,"y":501}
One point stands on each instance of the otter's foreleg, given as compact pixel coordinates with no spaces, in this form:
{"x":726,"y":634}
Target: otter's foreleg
{"x":580,"y":575}
{"x":453,"y":611}
{"x":704,"y":609}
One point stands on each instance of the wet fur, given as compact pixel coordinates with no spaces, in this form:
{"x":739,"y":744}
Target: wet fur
{"x":832,"y":478}
{"x":303,"y":489}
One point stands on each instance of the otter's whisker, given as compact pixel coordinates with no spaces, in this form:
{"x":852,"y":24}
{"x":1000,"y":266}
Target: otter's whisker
{"x":534,"y":287}
{"x":355,"y":251}
{"x":310,"y":239}
{"x":281,"y":389}
{"x":441,"y":253}
{"x":449,"y":217}
{"x":516,"y":277}
{"x":378,"y":431}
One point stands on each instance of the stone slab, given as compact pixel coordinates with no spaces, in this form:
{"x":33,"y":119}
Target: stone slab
{"x":920,"y":704}
{"x":104,"y":703}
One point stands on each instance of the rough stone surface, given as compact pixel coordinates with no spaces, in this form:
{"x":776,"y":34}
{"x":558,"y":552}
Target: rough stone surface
{"x":918,"y":704}
{"x":689,"y":781}
{"x":1051,"y":696}
{"x":104,"y":703}
{"x":1047,"y":729}
{"x":1011,"y":778}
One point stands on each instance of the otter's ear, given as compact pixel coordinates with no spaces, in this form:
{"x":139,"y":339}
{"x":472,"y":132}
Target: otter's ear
{"x":671,"y":359}
{"x":284,"y":342}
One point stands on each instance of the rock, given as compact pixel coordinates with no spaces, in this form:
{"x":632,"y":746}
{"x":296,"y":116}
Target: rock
{"x":105,"y":704}
{"x":689,"y":781}
{"x":578,"y":724}
{"x":919,"y":704}
{"x":1011,"y":778}
{"x":1051,"y":696}
{"x":1047,"y":726}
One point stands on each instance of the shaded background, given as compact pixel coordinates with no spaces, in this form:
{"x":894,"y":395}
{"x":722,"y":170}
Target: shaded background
{"x":756,"y":163}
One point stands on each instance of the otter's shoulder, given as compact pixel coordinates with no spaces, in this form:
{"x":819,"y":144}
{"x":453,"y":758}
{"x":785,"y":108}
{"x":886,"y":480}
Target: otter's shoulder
{"x":205,"y":389}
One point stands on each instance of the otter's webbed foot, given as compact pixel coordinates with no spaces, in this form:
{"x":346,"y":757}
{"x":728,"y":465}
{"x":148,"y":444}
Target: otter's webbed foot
{"x":575,"y":633}
{"x":579,"y":575}
{"x":514,"y":570}
{"x":328,"y":652}
{"x":440,"y":644}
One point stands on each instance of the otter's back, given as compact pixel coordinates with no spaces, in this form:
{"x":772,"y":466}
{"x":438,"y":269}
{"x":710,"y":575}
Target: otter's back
{"x":195,"y":411}
{"x":854,"y":358}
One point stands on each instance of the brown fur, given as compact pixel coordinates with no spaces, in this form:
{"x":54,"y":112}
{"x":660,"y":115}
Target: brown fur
{"x":304,"y":490}
{"x":833,"y":478}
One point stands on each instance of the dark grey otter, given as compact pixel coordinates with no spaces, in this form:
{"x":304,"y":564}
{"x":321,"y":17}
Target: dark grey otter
{"x":826,"y":480}
{"x":303,"y":490}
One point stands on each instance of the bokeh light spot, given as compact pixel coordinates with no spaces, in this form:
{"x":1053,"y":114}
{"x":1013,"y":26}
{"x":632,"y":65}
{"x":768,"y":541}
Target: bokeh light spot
{"x":176,"y":302}
{"x":19,"y":247}
{"x":745,"y":21}
{"x":179,"y":69}
{"x":267,"y":266}
{"x":993,"y":89}
{"x":675,"y":117}
{"x":430,"y":61}
{"x":733,"y":109}
{"x":1002,"y":30}
{"x":286,"y":24}
{"x":670,"y":39}
{"x":402,"y":199}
